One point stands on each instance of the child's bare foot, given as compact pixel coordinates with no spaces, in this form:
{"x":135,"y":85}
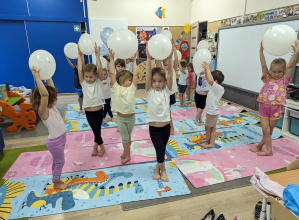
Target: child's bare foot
{"x":204,"y":145}
{"x":123,"y":156}
{"x":60,"y":185}
{"x":210,"y":146}
{"x":156,"y":176}
{"x":95,"y":152}
{"x":126,"y":160}
{"x":199,"y":123}
{"x":256,"y":148}
{"x":102,"y":151}
{"x":164,"y":176}
{"x":265,"y":153}
{"x":80,"y":111}
{"x":113,"y":119}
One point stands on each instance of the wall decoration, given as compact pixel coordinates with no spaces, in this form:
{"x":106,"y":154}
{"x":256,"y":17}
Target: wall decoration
{"x":187,"y":28}
{"x":143,"y":35}
{"x":262,"y":16}
{"x":161,"y":12}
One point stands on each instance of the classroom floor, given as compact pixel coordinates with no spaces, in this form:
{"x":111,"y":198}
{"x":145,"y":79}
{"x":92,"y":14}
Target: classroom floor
{"x":237,"y":202}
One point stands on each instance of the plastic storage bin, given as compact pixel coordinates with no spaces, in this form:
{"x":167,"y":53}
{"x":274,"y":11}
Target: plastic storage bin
{"x":294,"y":128}
{"x":280,"y":121}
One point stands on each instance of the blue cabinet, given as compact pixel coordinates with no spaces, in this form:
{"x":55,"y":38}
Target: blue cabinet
{"x":56,"y":8}
{"x":52,"y":37}
{"x":14,"y":54}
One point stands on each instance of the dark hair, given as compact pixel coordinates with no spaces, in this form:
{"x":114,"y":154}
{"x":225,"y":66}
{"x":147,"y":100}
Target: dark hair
{"x":35,"y":97}
{"x":107,"y":58}
{"x":123,"y":76}
{"x":280,"y":61}
{"x":218,"y":75}
{"x":191,"y":66}
{"x":105,"y":69}
{"x":120,"y":62}
{"x":159,"y":71}
{"x":90,"y":68}
{"x":183,"y":63}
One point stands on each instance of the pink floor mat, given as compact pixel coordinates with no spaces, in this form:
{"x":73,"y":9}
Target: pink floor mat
{"x":228,"y":164}
{"x":78,"y":159}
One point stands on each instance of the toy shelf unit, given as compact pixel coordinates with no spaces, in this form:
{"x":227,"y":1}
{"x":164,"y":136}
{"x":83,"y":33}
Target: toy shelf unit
{"x":290,"y":125}
{"x":26,"y":117}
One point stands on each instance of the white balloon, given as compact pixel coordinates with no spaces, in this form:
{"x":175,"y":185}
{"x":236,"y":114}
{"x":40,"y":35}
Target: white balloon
{"x":87,"y":44}
{"x":71,"y":50}
{"x":203,"y":44}
{"x":167,"y":33}
{"x":124,"y":43}
{"x":44,"y":61}
{"x":159,"y":46}
{"x":202,"y":55}
{"x":104,"y":62}
{"x":179,"y":55}
{"x":278,"y":39}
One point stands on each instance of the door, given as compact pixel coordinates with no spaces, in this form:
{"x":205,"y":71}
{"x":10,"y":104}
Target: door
{"x":194,"y":40}
{"x":52,"y":37}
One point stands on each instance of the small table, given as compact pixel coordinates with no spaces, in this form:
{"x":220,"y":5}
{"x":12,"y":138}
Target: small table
{"x":284,"y":179}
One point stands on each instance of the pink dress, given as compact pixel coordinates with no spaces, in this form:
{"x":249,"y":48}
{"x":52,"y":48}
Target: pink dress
{"x":191,"y":80}
{"x":274,"y":90}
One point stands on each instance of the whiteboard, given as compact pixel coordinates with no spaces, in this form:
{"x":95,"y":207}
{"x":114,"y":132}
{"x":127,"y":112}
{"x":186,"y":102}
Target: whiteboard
{"x":238,"y":54}
{"x":96,"y":24}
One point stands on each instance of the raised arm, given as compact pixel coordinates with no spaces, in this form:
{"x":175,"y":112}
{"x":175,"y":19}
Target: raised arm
{"x":170,"y":71}
{"x":111,"y":67}
{"x":99,"y":63}
{"x":292,"y":60}
{"x":208,"y":73}
{"x":80,"y":65}
{"x":182,"y":69}
{"x":263,"y":61}
{"x":69,"y":62}
{"x":158,"y":63}
{"x":175,"y":53}
{"x":135,"y":69}
{"x":148,"y":83}
{"x":43,"y":110}
{"x":50,"y":83}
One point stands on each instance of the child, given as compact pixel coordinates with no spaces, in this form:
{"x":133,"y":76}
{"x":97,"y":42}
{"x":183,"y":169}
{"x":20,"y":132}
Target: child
{"x":158,"y":90}
{"x":272,"y":96}
{"x":129,"y":65}
{"x":106,"y":87}
{"x":174,"y":83}
{"x":77,"y":83}
{"x":43,"y":99}
{"x":190,"y":83}
{"x":124,"y":86}
{"x":119,"y":65}
{"x":214,"y":79}
{"x":91,"y":77}
{"x":202,"y":89}
{"x":182,"y":82}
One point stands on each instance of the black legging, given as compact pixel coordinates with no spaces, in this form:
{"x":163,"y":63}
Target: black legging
{"x":95,"y":120}
{"x":160,"y":136}
{"x":107,"y":108}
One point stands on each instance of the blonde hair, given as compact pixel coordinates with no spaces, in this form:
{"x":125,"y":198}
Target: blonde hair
{"x":123,"y":76}
{"x":35,"y":97}
{"x":279,"y":61}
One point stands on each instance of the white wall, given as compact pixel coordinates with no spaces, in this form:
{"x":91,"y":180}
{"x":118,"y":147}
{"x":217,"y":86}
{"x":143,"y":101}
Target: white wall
{"x":214,"y":10}
{"x":142,"y":12}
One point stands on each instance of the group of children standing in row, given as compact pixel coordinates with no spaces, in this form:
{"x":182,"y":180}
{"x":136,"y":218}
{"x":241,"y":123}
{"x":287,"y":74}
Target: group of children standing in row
{"x":160,"y":90}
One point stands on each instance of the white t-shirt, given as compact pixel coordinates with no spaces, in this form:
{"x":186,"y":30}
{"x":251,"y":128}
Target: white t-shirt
{"x":93,"y":94}
{"x":202,"y":84}
{"x":213,"y":98}
{"x":129,"y":67}
{"x":106,"y":87}
{"x":158,"y":105}
{"x":183,"y":77}
{"x":174,"y":88}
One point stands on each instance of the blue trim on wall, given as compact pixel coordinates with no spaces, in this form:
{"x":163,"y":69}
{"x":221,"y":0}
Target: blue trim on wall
{"x":38,"y":18}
